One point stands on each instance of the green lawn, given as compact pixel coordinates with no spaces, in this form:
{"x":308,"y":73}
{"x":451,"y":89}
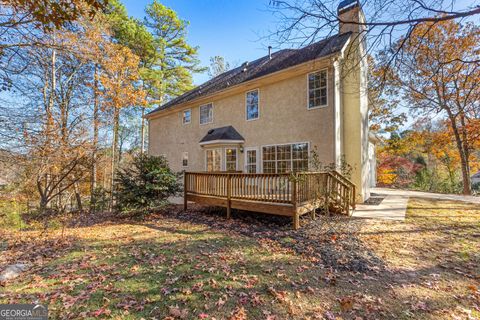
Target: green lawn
{"x":200,"y":266}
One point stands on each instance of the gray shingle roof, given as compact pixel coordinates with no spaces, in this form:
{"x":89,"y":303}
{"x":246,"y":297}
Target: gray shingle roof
{"x":223,"y":133}
{"x":282,"y":59}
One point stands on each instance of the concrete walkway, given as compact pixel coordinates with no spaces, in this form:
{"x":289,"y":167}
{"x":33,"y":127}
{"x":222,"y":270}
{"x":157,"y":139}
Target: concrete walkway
{"x":428,"y":195}
{"x":394,"y":206}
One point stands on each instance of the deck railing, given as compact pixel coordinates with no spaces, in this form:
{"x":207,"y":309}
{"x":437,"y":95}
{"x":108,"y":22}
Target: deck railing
{"x":329,"y":188}
{"x":249,"y":186}
{"x":349,"y":183}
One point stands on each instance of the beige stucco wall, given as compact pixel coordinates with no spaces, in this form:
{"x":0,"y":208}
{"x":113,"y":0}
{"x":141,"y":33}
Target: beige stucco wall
{"x":284,"y":118}
{"x":354,"y":96}
{"x":340,"y":128}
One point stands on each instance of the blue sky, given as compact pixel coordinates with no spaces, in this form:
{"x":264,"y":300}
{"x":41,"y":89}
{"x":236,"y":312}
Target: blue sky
{"x":232,"y":29}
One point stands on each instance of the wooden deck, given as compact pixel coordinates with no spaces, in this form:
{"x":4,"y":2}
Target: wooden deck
{"x":286,"y":194}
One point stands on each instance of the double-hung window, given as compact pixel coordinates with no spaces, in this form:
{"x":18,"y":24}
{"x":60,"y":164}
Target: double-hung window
{"x":206,"y":113}
{"x":187,"y":116}
{"x":285,"y":158}
{"x":317,"y":89}
{"x":252,"y":105}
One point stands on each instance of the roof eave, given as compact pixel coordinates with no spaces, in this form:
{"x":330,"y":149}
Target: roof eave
{"x":158,"y":113}
{"x":221,"y":141}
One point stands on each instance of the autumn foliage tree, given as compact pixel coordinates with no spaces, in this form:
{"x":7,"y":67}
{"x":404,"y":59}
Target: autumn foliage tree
{"x":436,"y":78}
{"x":70,"y":95}
{"x":120,"y":73}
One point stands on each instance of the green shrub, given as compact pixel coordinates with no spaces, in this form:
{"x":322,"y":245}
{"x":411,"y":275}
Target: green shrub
{"x":317,"y":165}
{"x":146,"y":183}
{"x":10,"y":214}
{"x":476,"y":186}
{"x":101,"y":199}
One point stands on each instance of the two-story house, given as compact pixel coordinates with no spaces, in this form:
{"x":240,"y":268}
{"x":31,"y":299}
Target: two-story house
{"x":268,"y":115}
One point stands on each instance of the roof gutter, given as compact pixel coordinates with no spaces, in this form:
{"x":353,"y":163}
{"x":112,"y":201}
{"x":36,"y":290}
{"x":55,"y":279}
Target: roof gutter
{"x":167,"y":111}
{"x":221,"y":141}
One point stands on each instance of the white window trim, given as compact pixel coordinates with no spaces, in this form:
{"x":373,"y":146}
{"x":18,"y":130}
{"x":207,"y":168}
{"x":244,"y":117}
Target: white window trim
{"x":183,"y":112}
{"x":258,"y":104}
{"x":200,"y":113}
{"x":225,"y":157}
{"x":257,"y":160}
{"x":283,"y":144}
{"x":308,"y":90}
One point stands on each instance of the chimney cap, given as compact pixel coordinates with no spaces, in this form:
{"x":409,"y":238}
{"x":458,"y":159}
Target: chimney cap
{"x":346,"y":5}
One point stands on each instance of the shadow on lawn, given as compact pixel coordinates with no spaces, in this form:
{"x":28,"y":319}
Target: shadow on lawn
{"x":195,"y":269}
{"x":150,"y":275}
{"x":333,"y":242}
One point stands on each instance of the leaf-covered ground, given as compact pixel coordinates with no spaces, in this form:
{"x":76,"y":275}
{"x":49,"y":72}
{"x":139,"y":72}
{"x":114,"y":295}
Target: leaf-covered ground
{"x":198,"y":265}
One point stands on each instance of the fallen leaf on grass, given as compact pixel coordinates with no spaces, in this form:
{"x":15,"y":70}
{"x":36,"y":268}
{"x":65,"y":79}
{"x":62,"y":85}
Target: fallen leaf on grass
{"x":473,"y":288}
{"x":178,"y":313}
{"x":101,"y":311}
{"x":238,"y":314}
{"x":346,"y":303}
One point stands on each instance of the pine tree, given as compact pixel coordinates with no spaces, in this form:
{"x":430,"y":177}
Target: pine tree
{"x":174,"y":57}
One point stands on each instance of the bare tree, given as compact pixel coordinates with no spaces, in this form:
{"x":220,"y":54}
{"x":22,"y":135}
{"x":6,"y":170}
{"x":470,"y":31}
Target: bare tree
{"x":218,"y":65}
{"x":305,"y":21}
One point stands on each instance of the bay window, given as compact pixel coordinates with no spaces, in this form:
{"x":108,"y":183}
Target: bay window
{"x":214,"y":160}
{"x":231,"y":159}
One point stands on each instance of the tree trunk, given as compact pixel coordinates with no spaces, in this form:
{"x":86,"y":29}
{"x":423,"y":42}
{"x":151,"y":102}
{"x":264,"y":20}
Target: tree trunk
{"x":142,"y":133}
{"x":467,"y":190}
{"x":467,"y":186}
{"x":43,"y":198}
{"x":93,"y":181}
{"x":116,"y":122}
{"x":53,"y":88}
{"x":78,"y":198}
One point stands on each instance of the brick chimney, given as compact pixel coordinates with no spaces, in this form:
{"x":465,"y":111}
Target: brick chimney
{"x":349,"y":15}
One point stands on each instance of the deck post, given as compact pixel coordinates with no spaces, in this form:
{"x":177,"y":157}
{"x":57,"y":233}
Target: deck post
{"x":229,"y":196}
{"x":354,"y":197}
{"x":296,"y":217}
{"x":185,"y":187}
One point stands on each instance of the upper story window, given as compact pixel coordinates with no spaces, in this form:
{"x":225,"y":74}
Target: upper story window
{"x":206,"y":113}
{"x":317,"y":89}
{"x":187,"y":116}
{"x":252,"y":105}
